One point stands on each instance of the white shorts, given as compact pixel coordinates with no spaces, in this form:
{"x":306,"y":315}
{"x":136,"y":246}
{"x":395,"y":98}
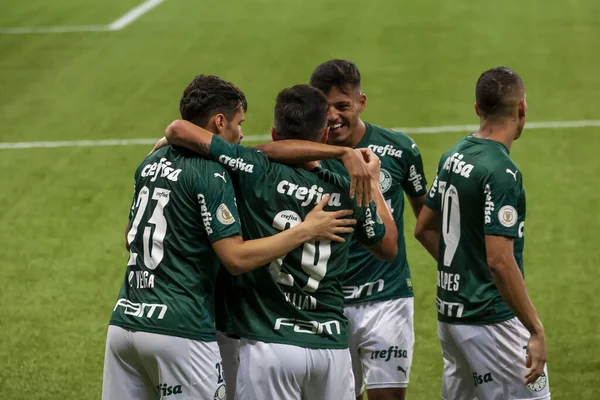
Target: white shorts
{"x":146,"y":366}
{"x":230,"y":353}
{"x":381,"y":338}
{"x":487,"y":362}
{"x":280,"y":371}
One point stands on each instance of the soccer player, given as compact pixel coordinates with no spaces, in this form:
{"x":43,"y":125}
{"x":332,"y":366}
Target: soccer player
{"x":473,"y":224}
{"x":290,"y":313}
{"x":378,"y":294}
{"x":183,"y":223}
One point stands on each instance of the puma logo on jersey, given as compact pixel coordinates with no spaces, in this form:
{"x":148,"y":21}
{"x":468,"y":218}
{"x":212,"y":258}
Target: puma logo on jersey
{"x":388,"y":149}
{"x":205,"y":214}
{"x":236,"y":164}
{"x":514,"y":174}
{"x":222,"y":176}
{"x":163,"y":169}
{"x":456,"y":165}
{"x":314,"y":194}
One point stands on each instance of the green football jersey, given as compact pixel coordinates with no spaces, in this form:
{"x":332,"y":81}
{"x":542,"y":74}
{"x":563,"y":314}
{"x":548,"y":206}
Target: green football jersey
{"x":478,"y":191}
{"x":182,"y":203}
{"x":368,"y":278}
{"x":297,"y":299}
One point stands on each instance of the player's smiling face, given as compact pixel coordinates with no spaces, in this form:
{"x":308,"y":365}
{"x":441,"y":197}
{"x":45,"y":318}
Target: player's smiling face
{"x":233,"y":129}
{"x":343,"y":115}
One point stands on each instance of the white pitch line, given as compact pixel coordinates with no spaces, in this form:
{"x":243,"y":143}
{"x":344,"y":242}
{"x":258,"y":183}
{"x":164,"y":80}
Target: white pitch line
{"x":133,"y":14}
{"x":118,"y":24}
{"x":260,"y":138}
{"x":53,"y":29}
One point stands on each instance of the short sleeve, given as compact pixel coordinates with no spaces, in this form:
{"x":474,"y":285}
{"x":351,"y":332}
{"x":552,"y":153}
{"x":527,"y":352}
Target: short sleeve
{"x":501,"y":190}
{"x":218,"y":210}
{"x":247,"y":164}
{"x":414,"y":184}
{"x":434,"y":198}
{"x":369,"y":227}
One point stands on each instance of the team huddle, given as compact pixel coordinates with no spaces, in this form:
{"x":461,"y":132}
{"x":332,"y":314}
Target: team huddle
{"x":280,"y":271}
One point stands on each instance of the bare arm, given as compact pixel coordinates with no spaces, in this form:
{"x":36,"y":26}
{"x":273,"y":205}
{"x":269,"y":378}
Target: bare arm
{"x":186,"y":134}
{"x":510,"y":284}
{"x":240,"y":256}
{"x":301,"y":151}
{"x":427,"y":230}
{"x":416,"y":203}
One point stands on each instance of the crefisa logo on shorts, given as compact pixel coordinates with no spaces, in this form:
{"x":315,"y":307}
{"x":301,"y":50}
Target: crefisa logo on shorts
{"x":480,"y":379}
{"x":165,"y":390}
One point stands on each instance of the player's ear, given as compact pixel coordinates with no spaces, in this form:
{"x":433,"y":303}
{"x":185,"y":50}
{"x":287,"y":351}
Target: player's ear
{"x":363,"y":102}
{"x":523,"y":108}
{"x":325,"y":135}
{"x":220,"y":122}
{"x":274,"y":135}
{"x":476,"y":107}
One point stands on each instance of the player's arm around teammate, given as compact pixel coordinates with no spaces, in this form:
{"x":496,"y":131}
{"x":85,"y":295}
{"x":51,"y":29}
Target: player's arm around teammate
{"x":239,"y":256}
{"x":199,"y":140}
{"x":284,"y":151}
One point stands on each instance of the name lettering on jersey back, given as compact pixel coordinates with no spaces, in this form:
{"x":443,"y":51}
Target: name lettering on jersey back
{"x":387,"y":150}
{"x":301,"y":302}
{"x":163,"y":169}
{"x":456,"y":165}
{"x":415,"y":178}
{"x":206,"y":215}
{"x":308,"y":195}
{"x":309,"y":327}
{"x":448,"y":281}
{"x":236,"y":164}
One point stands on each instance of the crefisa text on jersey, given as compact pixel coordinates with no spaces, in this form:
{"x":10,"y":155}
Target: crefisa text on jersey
{"x":308,"y":195}
{"x":386,"y":150}
{"x":162,"y":169}
{"x":458,"y":166}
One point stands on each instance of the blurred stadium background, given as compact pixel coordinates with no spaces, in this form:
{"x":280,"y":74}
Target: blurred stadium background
{"x":64,"y":209}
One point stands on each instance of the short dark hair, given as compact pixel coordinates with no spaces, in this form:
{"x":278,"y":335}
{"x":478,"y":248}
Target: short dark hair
{"x":300,"y":113}
{"x":497,"y":91}
{"x":340,"y":74}
{"x":208,"y":95}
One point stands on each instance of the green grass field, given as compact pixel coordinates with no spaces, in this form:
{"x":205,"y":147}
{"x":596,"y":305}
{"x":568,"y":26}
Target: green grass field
{"x":64,"y":209}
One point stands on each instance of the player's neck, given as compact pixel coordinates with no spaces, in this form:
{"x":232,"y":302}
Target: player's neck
{"x":501,"y":131}
{"x":357,"y":135}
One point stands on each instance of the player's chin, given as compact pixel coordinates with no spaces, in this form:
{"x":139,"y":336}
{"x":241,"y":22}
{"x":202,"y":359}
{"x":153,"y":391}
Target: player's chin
{"x":339,"y":135}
